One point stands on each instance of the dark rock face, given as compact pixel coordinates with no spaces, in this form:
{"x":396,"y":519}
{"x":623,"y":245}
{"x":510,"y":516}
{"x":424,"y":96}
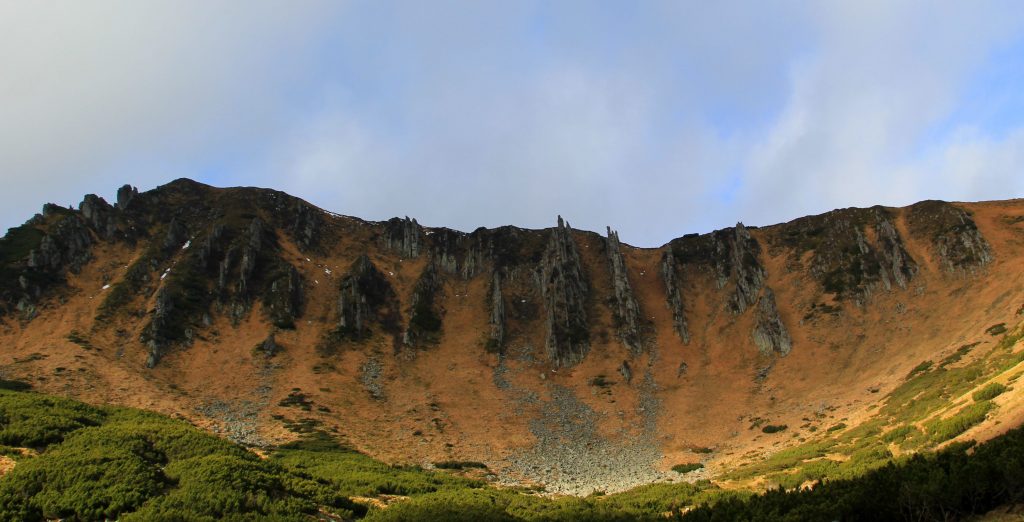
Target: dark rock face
{"x":100,"y":215}
{"x":403,"y":236}
{"x":731,"y":255}
{"x":627,"y":311}
{"x":366,"y":297}
{"x":770,"y":334}
{"x":674,"y":297}
{"x":425,"y":314}
{"x":564,"y":289}
{"x":952,"y":233}
{"x":250,"y":255}
{"x":855,"y":251}
{"x":176,"y":235}
{"x":283,"y":299}
{"x":748,"y":273}
{"x":66,"y":246}
{"x":125,"y":195}
{"x":269,"y":346}
{"x":305,"y":228}
{"x":158,"y":333}
{"x":626,"y":371}
{"x":496,"y":337}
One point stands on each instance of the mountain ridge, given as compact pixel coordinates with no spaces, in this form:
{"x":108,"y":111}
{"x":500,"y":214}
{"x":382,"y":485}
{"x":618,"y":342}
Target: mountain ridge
{"x":238,"y":307}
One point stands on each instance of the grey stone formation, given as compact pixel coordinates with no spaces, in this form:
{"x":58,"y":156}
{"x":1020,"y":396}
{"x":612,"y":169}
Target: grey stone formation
{"x":627,"y":311}
{"x":100,"y":215}
{"x":424,"y":316}
{"x":210,"y":246}
{"x":626,"y":371}
{"x":175,"y":236}
{"x":770,"y":334}
{"x":564,"y":290}
{"x":250,"y":255}
{"x":67,"y":245}
{"x":269,"y":346}
{"x":496,"y":337}
{"x":125,"y":195}
{"x":404,"y":236}
{"x":953,"y":234}
{"x":673,"y":294}
{"x":224,"y":270}
{"x":748,"y":273}
{"x":157,"y":334}
{"x":363,"y":290}
{"x":897,"y":266}
{"x":283,"y":301}
{"x":305,"y":228}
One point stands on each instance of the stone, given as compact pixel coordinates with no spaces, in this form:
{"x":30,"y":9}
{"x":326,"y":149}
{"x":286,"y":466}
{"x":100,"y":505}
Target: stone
{"x":627,"y":311}
{"x":496,"y":337}
{"x":953,"y":235}
{"x":125,"y":195}
{"x":403,"y":236}
{"x":673,"y":295}
{"x":364,"y":291}
{"x":564,"y":289}
{"x":176,"y":235}
{"x":424,"y":314}
{"x":283,"y":301}
{"x":269,"y":346}
{"x":770,"y":334}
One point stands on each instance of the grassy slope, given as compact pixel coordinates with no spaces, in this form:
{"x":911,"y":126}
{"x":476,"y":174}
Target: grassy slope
{"x":76,"y":461}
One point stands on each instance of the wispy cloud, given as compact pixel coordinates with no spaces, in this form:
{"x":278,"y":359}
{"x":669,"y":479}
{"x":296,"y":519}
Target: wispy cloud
{"x":658,"y":118}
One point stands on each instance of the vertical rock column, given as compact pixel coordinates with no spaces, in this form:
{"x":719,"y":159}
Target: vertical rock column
{"x":674,"y":296}
{"x":627,"y":311}
{"x":564,"y":290}
{"x":496,"y":339}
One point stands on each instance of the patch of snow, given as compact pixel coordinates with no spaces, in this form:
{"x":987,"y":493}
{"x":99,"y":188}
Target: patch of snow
{"x":523,"y":301}
{"x":315,"y":281}
{"x":327,"y":271}
{"x":307,"y":259}
{"x":187,"y":244}
{"x":391,"y":273}
{"x":106,"y":287}
{"x":163,"y":275}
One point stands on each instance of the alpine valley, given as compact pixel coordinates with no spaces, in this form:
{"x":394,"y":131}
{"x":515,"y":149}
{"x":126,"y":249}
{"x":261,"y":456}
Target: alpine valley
{"x":297,"y":364}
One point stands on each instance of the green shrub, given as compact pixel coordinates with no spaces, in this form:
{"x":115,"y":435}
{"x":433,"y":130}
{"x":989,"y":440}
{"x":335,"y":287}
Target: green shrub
{"x":940,"y":430}
{"x":774,"y":428}
{"x":990,"y":391}
{"x":688,"y":467}
{"x":459,"y":464}
{"x":920,"y":368}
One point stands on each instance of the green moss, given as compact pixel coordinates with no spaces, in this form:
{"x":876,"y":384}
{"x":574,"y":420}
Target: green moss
{"x":941,"y":430}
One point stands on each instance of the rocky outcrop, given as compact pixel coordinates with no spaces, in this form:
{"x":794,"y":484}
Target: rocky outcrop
{"x":564,"y":290}
{"x":283,"y":299}
{"x":160,"y":332}
{"x":674,"y":296}
{"x":496,"y":337}
{"x":403,"y":236}
{"x":952,"y":233}
{"x":125,"y":195}
{"x":305,"y":228}
{"x":626,"y":371}
{"x":425,"y":314}
{"x":854,"y":251}
{"x":251,"y":250}
{"x":269,"y":346}
{"x":176,"y":235}
{"x":770,"y":334}
{"x":748,"y":274}
{"x":99,"y":215}
{"x":210,"y":247}
{"x":66,"y":246}
{"x":365,"y":297}
{"x":626,"y":312}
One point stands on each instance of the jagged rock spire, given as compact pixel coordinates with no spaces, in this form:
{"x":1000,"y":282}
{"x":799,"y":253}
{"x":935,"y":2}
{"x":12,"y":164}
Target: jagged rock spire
{"x":627,"y":311}
{"x":564,"y":289}
{"x":770,"y":334}
{"x":496,"y":339}
{"x":674,"y":297}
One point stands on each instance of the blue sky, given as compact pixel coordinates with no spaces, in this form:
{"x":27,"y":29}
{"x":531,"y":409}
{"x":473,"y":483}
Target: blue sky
{"x":657,"y":118}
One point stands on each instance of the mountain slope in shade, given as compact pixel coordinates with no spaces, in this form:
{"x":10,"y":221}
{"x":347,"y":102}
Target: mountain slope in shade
{"x":556,"y":356}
